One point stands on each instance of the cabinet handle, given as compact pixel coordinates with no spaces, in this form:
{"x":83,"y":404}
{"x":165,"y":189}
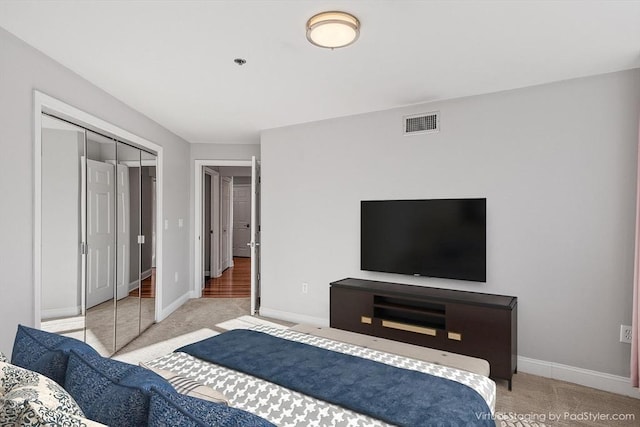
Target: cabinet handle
{"x":454,"y":336}
{"x":366,"y":320}
{"x":409,"y":328}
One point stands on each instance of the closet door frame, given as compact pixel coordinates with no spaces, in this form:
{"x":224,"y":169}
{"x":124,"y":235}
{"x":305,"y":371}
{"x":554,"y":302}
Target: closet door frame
{"x":46,"y":104}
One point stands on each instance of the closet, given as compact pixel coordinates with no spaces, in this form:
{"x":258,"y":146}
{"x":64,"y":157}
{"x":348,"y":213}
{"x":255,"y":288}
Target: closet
{"x":97,"y":255}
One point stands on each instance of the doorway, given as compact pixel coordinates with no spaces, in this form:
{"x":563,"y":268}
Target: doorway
{"x":226,"y":219}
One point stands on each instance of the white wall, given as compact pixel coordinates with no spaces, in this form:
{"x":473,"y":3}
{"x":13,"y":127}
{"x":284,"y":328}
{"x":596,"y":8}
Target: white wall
{"x":221,"y":151}
{"x":235,"y":171}
{"x":61,"y":234}
{"x":23,"y":69}
{"x":557,"y":164}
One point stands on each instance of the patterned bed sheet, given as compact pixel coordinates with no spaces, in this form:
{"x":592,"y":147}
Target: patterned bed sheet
{"x":288,"y":408}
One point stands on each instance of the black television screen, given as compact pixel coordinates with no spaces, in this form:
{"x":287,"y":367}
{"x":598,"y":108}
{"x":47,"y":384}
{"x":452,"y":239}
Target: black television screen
{"x":437,"y":238}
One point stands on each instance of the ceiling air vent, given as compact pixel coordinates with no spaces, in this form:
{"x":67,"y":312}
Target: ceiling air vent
{"x":422,"y":123}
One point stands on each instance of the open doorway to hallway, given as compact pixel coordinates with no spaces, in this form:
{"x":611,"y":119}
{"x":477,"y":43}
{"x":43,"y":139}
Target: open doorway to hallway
{"x":226,"y":231}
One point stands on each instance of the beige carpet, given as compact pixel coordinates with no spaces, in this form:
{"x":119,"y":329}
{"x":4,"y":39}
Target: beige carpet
{"x":162,"y":348}
{"x":195,"y":314}
{"x":538,"y":400}
{"x":246,"y":322}
{"x":154,"y":351}
{"x":100,"y":320}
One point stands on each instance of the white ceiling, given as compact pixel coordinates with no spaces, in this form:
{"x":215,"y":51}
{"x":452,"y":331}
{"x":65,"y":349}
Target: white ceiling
{"x":173,"y":60}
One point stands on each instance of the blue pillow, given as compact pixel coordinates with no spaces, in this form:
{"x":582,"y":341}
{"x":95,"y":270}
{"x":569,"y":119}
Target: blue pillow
{"x":112,"y":392}
{"x":45,"y":352}
{"x":173,"y":409}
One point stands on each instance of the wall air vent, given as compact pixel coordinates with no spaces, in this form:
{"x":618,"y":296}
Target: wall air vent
{"x":422,"y":123}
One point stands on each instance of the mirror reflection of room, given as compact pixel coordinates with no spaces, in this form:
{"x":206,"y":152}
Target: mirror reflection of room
{"x":98,"y":236}
{"x":62,"y":263}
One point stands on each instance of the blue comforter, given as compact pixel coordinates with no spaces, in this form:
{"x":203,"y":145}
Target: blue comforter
{"x":394,"y":395}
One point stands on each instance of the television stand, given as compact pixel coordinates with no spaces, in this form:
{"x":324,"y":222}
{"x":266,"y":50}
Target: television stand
{"x":469,"y":323}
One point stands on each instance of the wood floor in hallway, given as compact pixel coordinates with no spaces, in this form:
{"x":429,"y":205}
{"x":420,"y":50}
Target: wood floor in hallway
{"x":148,"y":286}
{"x":235,"y":282}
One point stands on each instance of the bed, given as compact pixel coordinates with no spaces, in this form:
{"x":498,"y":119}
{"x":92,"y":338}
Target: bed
{"x":256,"y":390}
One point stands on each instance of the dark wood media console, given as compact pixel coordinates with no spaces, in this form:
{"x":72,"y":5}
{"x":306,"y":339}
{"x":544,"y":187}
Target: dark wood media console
{"x":469,"y":323}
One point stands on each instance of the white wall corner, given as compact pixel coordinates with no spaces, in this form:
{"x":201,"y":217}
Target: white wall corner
{"x":594,"y":379}
{"x":165,"y":312}
{"x":293,"y":317}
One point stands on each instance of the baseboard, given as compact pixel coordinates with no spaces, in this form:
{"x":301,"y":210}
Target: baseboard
{"x":56,"y":313}
{"x":594,"y":379}
{"x":293,"y":317}
{"x":164,"y":313}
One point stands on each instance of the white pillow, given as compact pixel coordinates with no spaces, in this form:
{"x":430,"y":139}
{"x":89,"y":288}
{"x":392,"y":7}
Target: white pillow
{"x":189,"y":387}
{"x":35,"y":414}
{"x":20,"y":388}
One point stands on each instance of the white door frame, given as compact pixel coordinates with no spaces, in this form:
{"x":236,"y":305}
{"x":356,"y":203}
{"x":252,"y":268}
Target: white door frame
{"x":46,"y":104}
{"x":256,"y":257}
{"x":196,"y":288}
{"x":214,"y":252}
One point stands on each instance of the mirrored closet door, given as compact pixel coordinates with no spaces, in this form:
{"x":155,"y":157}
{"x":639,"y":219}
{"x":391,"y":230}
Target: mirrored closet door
{"x":129,"y":242}
{"x":62,"y":210}
{"x":98,"y":190}
{"x":98,"y":236}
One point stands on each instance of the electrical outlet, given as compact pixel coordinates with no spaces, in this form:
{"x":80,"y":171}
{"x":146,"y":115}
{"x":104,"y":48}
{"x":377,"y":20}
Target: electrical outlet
{"x":175,"y":277}
{"x":305,"y":288}
{"x":625,"y":333}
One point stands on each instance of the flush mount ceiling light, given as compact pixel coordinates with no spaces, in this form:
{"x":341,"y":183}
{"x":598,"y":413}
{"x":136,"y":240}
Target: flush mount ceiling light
{"x":333,"y":29}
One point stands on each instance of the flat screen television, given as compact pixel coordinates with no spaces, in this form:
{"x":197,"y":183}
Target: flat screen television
{"x":437,"y":238}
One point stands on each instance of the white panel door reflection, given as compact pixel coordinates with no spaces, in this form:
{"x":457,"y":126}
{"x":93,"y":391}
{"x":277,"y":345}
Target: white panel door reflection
{"x":100,"y":232}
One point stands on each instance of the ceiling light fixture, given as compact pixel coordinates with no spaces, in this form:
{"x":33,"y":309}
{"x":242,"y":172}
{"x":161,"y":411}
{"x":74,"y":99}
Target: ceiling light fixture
{"x":333,"y":29}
